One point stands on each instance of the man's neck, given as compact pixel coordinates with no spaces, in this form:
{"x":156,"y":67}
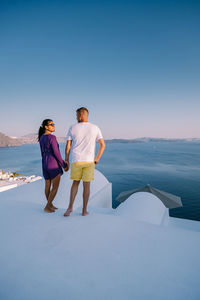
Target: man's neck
{"x":83,"y":121}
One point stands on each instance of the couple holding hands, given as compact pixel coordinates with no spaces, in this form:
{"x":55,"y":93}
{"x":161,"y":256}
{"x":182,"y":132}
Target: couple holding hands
{"x":81,"y":142}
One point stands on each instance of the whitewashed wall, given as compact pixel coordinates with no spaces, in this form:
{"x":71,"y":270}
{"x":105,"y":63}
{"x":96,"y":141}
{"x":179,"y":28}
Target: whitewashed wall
{"x":101,"y":192}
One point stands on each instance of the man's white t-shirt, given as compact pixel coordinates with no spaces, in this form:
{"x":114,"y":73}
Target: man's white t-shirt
{"x":84,"y":136}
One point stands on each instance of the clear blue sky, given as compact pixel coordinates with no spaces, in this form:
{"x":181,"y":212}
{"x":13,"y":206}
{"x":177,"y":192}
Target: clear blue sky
{"x":134,"y":64}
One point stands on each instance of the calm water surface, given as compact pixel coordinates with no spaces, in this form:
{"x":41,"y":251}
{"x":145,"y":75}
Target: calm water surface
{"x":170,"y":166}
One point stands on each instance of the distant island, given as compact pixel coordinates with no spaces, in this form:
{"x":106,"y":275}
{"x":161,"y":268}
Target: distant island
{"x":149,"y":139}
{"x":7,"y":141}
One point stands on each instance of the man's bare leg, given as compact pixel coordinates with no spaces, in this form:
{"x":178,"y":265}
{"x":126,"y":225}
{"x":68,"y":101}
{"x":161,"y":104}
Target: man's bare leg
{"x":73,"y":193}
{"x":86,"y":194}
{"x":55,"y":184}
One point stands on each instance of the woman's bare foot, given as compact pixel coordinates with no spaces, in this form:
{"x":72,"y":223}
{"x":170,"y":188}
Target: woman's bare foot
{"x":68,"y":212}
{"x":49,"y":209}
{"x":85,"y":213}
{"x":52,"y":206}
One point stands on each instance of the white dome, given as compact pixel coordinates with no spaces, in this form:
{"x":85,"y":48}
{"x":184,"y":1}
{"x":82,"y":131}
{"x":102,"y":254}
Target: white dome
{"x":145,"y":207}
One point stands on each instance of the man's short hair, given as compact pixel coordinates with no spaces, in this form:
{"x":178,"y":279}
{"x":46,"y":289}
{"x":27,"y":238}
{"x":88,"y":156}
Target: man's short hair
{"x":82,"y":109}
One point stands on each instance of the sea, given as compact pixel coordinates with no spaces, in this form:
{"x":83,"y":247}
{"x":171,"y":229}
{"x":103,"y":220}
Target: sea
{"x":173,"y":167}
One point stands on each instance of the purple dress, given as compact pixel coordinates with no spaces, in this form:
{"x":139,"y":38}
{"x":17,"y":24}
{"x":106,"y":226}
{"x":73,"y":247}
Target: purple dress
{"x":52,"y":162}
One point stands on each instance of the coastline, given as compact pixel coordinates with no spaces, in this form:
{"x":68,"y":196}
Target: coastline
{"x":8,"y":142}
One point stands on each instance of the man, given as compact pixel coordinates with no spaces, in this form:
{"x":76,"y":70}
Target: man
{"x":81,"y":140}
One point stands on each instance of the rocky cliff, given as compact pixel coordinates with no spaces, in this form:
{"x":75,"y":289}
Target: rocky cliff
{"x":6,"y":141}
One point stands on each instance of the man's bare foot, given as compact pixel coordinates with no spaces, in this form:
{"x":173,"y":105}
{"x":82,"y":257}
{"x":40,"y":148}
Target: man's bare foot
{"x":49,"y":209}
{"x":52,"y":206}
{"x":85,"y":213}
{"x":68,"y":212}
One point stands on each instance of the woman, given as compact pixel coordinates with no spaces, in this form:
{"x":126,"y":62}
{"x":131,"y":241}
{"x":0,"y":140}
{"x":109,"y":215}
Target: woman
{"x":52,"y":162}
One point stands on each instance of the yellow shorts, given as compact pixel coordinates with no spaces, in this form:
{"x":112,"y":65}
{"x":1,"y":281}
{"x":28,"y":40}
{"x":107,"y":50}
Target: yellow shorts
{"x":82,"y":170}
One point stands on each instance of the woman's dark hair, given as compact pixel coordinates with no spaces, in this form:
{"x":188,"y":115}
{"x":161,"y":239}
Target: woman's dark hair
{"x":41,"y":130}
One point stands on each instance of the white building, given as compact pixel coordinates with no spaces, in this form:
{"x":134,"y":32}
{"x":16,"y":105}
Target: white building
{"x":127,"y":253}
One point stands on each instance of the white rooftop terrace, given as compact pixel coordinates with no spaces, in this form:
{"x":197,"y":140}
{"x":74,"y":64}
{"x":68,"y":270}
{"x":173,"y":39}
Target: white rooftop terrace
{"x":126,"y":253}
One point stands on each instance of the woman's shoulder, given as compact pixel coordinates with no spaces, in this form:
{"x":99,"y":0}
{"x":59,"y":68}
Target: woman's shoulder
{"x":48,"y":137}
{"x":52,"y":138}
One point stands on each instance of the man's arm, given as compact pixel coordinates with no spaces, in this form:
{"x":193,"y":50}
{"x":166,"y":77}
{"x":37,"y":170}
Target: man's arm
{"x":67,"y":151}
{"x":101,"y":150}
